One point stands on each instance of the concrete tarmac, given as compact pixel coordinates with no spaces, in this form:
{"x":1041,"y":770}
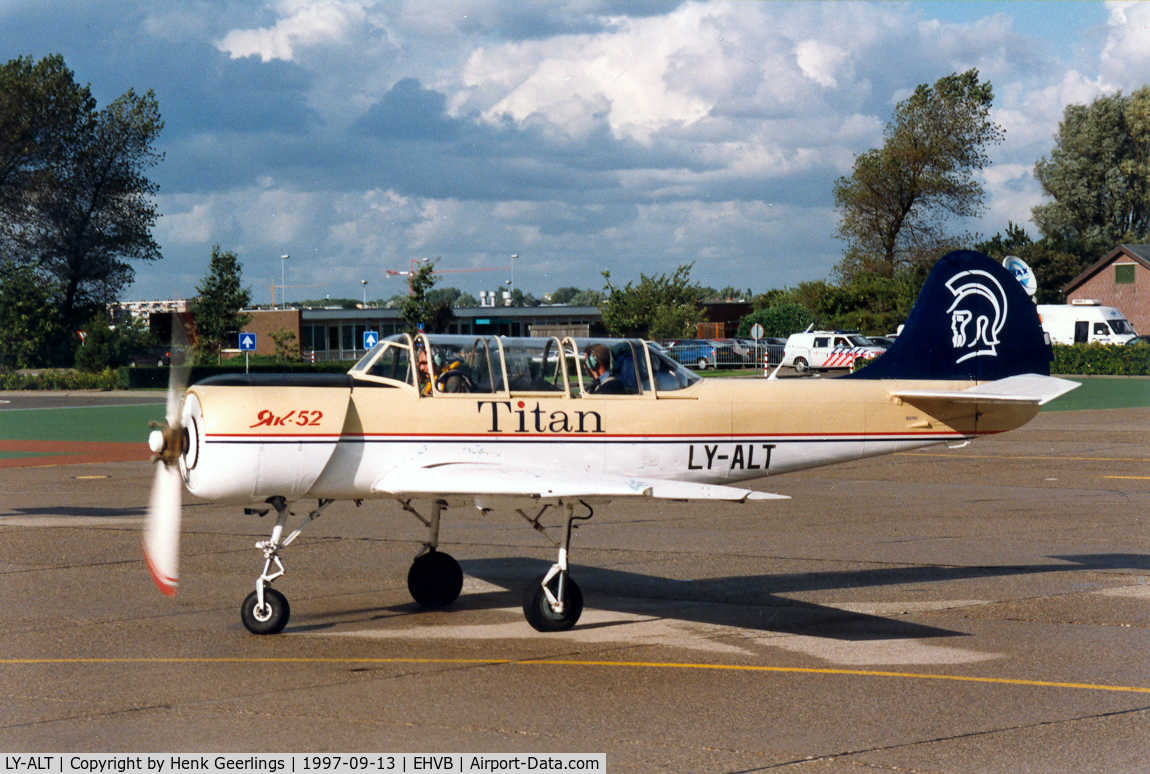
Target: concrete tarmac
{"x":984,"y":609}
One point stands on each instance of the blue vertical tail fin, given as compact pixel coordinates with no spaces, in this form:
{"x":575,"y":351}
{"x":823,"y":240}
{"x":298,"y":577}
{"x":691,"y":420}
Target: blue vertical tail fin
{"x":972,"y":322}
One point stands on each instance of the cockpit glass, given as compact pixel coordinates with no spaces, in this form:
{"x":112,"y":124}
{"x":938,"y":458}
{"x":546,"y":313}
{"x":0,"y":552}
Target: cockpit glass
{"x":533,"y":364}
{"x":670,"y":374}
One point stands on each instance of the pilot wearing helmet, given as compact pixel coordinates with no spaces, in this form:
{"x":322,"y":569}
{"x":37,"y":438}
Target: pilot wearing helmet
{"x":449,"y":373}
{"x":598,"y":360}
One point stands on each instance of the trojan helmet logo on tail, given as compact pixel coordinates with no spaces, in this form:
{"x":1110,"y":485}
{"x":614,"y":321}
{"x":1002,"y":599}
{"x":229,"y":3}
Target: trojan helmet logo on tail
{"x":972,"y":321}
{"x":977,"y":314}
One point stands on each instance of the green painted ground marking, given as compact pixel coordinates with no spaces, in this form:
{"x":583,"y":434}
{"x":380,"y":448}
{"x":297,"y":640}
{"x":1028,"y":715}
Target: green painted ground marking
{"x":1104,"y":392}
{"x":100,"y":423}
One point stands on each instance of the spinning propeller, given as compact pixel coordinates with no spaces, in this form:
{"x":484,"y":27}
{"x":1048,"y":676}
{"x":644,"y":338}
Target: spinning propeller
{"x":168,"y":441}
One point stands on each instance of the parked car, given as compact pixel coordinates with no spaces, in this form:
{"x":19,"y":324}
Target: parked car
{"x":771,"y":346}
{"x":159,"y":356}
{"x":701,"y":354}
{"x":881,"y":341}
{"x":1139,"y":341}
{"x":730,"y":353}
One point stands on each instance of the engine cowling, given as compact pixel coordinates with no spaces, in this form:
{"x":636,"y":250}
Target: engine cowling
{"x":254,"y":437}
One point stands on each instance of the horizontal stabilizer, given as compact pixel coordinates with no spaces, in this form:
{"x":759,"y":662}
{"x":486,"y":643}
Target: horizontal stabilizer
{"x":485,"y":479}
{"x":1031,"y":389}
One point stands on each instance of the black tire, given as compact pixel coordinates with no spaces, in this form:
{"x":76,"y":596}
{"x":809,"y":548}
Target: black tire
{"x":801,"y":365}
{"x":538,"y":610}
{"x":272,"y":619}
{"x":435,"y":579}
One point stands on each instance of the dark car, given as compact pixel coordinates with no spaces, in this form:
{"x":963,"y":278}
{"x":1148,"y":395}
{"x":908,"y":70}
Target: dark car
{"x":159,"y":356}
{"x":1139,"y":341}
{"x":771,"y":346}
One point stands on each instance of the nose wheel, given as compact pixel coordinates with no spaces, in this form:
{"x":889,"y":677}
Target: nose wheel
{"x":554,"y":602}
{"x":542,"y":608}
{"x":268,"y":617}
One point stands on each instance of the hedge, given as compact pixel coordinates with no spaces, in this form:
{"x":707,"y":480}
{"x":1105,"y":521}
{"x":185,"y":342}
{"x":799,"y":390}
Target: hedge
{"x":143,"y":377}
{"x":1101,"y":360}
{"x":1082,"y":359}
{"x":60,"y":380}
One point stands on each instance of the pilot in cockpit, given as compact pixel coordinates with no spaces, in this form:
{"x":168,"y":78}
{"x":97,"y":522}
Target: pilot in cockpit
{"x":450,"y":374}
{"x":598,"y":360}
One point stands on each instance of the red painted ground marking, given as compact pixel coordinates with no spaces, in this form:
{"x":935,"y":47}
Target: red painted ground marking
{"x":71,"y":452}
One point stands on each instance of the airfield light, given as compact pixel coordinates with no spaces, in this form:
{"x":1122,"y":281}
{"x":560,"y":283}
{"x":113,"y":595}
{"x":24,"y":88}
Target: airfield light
{"x":283,"y":283}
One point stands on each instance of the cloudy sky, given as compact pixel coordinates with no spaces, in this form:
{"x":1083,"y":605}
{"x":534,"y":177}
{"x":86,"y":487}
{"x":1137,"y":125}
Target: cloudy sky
{"x":357,"y":135}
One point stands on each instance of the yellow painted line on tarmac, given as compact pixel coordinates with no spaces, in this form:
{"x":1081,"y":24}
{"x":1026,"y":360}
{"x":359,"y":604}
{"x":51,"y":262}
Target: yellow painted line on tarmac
{"x":1136,"y":478}
{"x":573,"y":662}
{"x":1022,"y":457}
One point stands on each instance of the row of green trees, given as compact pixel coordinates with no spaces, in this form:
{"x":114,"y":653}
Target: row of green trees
{"x":77,"y":208}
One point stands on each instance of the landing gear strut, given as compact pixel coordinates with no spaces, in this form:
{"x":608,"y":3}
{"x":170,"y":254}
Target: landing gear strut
{"x":265,"y":610}
{"x":554,"y":602}
{"x":435,"y":578}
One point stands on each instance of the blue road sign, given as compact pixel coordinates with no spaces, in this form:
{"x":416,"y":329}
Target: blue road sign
{"x":247,"y":342}
{"x":370,"y":339}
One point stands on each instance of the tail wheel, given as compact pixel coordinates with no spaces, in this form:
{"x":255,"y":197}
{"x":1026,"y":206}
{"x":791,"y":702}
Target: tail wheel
{"x":271,"y":618}
{"x":539,"y":613}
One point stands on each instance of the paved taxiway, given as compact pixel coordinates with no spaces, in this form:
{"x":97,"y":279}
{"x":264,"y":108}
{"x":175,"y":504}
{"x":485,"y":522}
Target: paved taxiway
{"x":985,"y":609}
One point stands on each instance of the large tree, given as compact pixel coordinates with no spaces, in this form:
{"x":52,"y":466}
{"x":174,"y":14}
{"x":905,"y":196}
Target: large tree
{"x":75,"y":202}
{"x":897,"y":206}
{"x":662,"y":307}
{"x":41,"y":111}
{"x":1098,"y":175}
{"x":221,"y":301}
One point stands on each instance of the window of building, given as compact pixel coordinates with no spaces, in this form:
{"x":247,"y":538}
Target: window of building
{"x":1123,"y":274}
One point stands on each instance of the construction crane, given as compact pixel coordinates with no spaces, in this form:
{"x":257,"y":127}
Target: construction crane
{"x":413,"y":271}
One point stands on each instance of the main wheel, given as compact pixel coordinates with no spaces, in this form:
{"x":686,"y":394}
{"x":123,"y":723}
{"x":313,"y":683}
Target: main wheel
{"x":801,"y":365}
{"x":542,"y":616}
{"x":435,"y":579}
{"x":269,"y":619}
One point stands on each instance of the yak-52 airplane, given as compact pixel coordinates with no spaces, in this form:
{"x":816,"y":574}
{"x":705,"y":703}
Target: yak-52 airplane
{"x":514,"y":423}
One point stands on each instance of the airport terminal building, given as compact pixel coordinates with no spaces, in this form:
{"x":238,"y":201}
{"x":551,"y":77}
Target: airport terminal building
{"x":338,"y":334}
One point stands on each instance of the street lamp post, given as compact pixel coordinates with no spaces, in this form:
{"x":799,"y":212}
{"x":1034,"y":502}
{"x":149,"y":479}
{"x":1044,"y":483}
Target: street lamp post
{"x":283,"y":282}
{"x":364,"y":293}
{"x":514,"y":258}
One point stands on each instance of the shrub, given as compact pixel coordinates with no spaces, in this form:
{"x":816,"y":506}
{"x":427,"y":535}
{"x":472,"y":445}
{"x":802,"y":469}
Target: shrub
{"x":1101,"y":360}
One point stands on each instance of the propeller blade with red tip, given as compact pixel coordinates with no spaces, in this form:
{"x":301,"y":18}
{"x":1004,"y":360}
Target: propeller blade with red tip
{"x":162,"y":528}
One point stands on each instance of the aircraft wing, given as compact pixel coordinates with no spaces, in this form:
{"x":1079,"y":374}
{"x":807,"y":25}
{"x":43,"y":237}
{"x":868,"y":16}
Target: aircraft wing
{"x":501,"y":480}
{"x":1024,"y":389}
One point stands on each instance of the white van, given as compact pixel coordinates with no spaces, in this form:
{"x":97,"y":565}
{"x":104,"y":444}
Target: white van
{"x":821,"y":350}
{"x":1085,"y":321}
